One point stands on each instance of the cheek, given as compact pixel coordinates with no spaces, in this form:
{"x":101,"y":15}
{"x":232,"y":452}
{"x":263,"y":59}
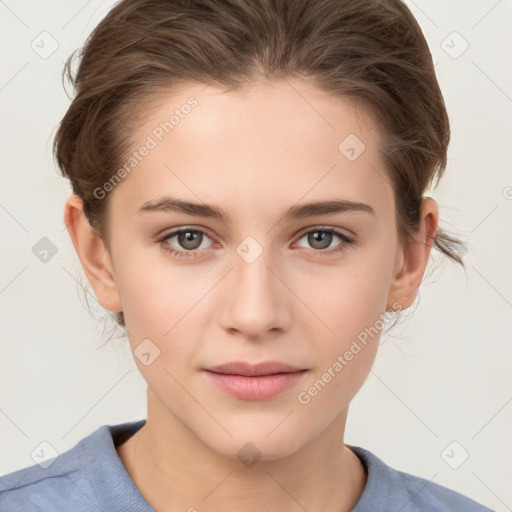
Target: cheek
{"x":350,"y":299}
{"x":350,"y":307}
{"x":168,"y":305}
{"x":347,"y":349}
{"x":155,"y":294}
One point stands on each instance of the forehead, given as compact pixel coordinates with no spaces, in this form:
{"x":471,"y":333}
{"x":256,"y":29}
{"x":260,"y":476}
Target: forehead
{"x":275,"y":141}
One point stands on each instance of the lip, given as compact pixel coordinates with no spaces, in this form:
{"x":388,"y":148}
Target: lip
{"x":252,"y":370}
{"x":260,"y":381}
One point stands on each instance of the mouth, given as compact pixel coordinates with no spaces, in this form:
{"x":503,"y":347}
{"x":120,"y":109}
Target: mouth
{"x":253,"y":370}
{"x":260,"y":381}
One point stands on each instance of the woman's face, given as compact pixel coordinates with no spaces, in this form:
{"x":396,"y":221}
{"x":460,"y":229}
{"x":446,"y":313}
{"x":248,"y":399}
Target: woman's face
{"x":262,"y":283}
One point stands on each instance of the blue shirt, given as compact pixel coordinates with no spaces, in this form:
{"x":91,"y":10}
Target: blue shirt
{"x":91,"y":477}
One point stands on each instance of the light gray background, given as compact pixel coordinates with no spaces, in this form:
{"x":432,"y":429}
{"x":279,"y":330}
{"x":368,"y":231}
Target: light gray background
{"x":443,"y":377}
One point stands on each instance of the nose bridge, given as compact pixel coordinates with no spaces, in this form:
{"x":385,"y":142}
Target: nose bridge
{"x":255,"y":295}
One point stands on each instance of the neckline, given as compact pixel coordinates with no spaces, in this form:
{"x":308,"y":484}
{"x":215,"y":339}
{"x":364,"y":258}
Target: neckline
{"x":375,"y":486}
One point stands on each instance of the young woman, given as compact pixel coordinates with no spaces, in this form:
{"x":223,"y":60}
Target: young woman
{"x":249,"y":184}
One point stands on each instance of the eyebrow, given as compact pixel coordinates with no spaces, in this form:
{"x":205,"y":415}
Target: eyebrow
{"x":328,"y":207}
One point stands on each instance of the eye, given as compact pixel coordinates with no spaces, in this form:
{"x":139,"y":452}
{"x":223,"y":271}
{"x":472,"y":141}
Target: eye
{"x":321,"y":238}
{"x":188,"y":238}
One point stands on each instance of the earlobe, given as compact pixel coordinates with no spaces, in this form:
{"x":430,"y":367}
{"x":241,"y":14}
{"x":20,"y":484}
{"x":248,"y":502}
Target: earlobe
{"x":93,"y":254}
{"x":406,"y":282}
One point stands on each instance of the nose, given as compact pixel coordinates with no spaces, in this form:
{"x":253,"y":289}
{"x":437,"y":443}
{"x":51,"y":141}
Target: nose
{"x":257,"y":300}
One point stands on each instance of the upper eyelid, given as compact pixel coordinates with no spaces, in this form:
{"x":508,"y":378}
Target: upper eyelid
{"x":176,"y":231}
{"x":324,"y":228}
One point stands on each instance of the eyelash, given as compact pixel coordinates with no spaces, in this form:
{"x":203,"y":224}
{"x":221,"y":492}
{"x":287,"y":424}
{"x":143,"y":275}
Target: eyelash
{"x":175,"y":253}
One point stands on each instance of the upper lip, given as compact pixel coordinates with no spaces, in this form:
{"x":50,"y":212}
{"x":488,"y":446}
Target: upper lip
{"x":251,"y":370}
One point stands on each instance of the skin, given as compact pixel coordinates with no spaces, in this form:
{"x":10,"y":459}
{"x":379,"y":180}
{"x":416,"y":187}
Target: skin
{"x":253,"y":153}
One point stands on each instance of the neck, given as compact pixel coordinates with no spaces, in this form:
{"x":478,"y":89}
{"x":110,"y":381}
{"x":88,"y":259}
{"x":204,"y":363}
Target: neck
{"x":174,"y":470}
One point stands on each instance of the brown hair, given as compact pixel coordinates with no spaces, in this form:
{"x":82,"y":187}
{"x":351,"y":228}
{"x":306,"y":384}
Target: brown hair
{"x":370,"y":51}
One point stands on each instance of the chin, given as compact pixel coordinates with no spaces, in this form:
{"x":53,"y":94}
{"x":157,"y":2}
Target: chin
{"x":251,"y":448}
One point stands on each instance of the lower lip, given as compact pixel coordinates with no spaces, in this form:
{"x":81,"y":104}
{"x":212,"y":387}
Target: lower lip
{"x":256,"y":388}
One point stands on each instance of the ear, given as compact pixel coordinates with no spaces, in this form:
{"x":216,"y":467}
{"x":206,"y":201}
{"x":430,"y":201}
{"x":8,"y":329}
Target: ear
{"x":413,"y":260}
{"x":94,"y":255}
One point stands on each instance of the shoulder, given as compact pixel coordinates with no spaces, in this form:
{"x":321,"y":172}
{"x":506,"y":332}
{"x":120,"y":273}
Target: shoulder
{"x":54,"y":483}
{"x":427,"y":495}
{"x":403,"y":491}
